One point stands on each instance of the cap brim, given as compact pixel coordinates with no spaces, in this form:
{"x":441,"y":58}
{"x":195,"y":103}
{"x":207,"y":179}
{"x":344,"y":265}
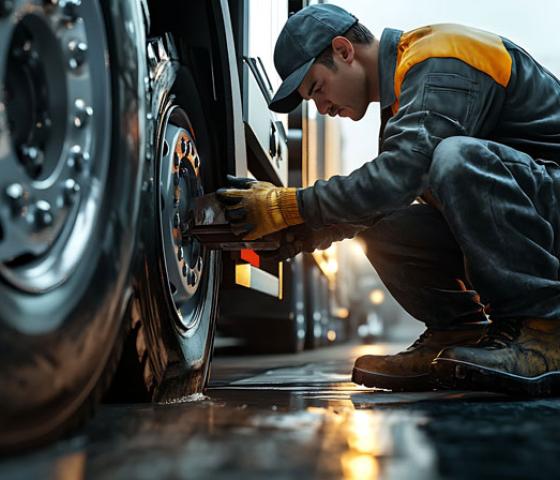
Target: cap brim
{"x":287,"y":98}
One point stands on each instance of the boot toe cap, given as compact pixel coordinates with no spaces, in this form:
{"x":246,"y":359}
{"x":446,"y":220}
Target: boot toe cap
{"x":364,"y":362}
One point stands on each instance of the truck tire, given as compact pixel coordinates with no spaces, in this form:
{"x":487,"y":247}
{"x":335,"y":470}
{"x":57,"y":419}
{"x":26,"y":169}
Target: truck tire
{"x":71,"y":155}
{"x":177,"y":282}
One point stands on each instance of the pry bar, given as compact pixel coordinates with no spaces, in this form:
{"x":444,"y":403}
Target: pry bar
{"x":213,"y":230}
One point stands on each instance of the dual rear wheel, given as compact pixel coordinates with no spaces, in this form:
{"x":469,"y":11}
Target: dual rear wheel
{"x":94,"y":240}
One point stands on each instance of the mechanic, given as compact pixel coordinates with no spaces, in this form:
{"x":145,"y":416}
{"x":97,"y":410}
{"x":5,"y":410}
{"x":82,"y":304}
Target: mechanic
{"x":459,"y":211}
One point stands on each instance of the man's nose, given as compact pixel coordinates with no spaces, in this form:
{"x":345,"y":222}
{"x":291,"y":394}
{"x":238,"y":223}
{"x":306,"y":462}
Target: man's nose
{"x":322,"y":106}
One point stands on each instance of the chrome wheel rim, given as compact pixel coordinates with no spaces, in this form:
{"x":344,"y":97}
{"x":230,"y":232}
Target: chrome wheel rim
{"x":180,"y":183}
{"x":55,"y":130}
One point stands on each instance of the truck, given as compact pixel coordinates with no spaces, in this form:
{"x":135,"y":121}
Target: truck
{"x":114,"y":117}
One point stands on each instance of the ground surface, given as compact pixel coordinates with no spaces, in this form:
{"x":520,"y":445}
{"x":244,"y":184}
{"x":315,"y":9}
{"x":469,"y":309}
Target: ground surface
{"x":298,"y":416}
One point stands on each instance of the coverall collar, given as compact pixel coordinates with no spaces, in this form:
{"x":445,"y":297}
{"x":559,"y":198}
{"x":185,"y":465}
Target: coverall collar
{"x":387,"y":63}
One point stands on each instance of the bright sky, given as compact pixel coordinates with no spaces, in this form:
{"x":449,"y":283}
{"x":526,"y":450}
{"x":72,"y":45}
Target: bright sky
{"x":531,"y":24}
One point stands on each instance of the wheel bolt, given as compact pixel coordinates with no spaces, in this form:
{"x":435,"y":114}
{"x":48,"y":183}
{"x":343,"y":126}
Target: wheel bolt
{"x":6,"y":7}
{"x":16,"y":197}
{"x":32,"y":157}
{"x":185,"y":270}
{"x":78,"y":159}
{"x":43,"y":215}
{"x":71,"y":190}
{"x":82,"y":113}
{"x":78,"y":53}
{"x":183,"y":146}
{"x":192,"y":278}
{"x":70,"y":9}
{"x":180,"y":254}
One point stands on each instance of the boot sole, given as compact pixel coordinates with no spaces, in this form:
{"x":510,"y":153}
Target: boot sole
{"x":455,"y":374}
{"x":416,"y":383}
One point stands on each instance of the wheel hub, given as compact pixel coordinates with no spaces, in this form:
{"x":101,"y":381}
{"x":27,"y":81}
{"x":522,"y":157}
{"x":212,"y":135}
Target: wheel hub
{"x":180,"y":184}
{"x":54,"y":118}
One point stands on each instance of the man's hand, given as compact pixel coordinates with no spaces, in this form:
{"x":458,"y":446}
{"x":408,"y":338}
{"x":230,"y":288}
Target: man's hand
{"x":302,"y":238}
{"x":255,"y":209}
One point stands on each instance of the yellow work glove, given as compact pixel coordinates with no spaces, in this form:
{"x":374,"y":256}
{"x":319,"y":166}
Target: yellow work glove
{"x":255,"y":209}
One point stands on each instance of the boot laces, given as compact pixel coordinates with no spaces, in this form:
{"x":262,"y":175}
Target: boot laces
{"x":501,"y":334}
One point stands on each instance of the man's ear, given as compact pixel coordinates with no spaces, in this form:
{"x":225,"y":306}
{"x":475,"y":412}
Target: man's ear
{"x":343,"y":48}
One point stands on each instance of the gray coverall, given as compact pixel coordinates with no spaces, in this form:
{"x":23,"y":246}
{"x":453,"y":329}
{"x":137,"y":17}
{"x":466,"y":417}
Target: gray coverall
{"x":488,"y":153}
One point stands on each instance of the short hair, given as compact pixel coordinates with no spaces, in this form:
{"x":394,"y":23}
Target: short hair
{"x":358,"y":34}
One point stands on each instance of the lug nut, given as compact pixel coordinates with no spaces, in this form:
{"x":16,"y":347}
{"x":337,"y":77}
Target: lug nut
{"x":71,"y":190}
{"x":183,"y":146}
{"x":78,"y":53}
{"x":78,"y":159}
{"x":43,"y":215}
{"x":192,"y":278}
{"x":16,"y":196}
{"x":32,"y":157}
{"x":82,"y":113}
{"x":196,"y":161}
{"x":70,"y":9}
{"x":180,"y":254}
{"x":185,"y":270}
{"x":6,"y":7}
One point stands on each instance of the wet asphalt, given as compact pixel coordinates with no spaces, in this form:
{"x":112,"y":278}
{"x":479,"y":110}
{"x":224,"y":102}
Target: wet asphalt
{"x":299,"y":416}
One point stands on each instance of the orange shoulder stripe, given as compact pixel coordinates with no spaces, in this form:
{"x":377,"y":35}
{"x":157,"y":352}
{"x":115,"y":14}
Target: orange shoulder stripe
{"x":481,"y":50}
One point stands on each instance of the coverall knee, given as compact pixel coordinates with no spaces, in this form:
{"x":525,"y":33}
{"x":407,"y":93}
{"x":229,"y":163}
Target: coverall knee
{"x":497,"y":236}
{"x":502,"y":207}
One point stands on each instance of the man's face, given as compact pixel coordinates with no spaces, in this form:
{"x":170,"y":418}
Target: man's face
{"x":341,"y":92}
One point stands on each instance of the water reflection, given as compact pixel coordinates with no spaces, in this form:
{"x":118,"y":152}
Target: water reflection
{"x":359,"y":466}
{"x":69,"y":467}
{"x":354,"y":439}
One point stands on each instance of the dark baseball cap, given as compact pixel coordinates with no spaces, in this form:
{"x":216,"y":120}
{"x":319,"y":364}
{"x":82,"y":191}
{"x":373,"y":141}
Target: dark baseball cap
{"x":305,"y":35}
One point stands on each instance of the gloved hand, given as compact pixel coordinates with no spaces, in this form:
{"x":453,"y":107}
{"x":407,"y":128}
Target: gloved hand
{"x":255,"y":209}
{"x":302,"y":238}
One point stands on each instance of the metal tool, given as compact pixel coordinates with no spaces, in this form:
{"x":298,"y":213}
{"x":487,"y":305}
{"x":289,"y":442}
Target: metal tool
{"x":211,"y":228}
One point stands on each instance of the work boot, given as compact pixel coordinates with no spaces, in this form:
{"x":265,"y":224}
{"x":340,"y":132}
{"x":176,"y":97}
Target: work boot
{"x":516,"y":356}
{"x":410,"y":370}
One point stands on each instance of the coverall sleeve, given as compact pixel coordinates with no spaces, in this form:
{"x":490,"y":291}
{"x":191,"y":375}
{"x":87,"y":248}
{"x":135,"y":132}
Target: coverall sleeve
{"x":439,"y":98}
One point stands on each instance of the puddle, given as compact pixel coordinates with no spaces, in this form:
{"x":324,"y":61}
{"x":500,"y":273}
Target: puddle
{"x":195,"y":397}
